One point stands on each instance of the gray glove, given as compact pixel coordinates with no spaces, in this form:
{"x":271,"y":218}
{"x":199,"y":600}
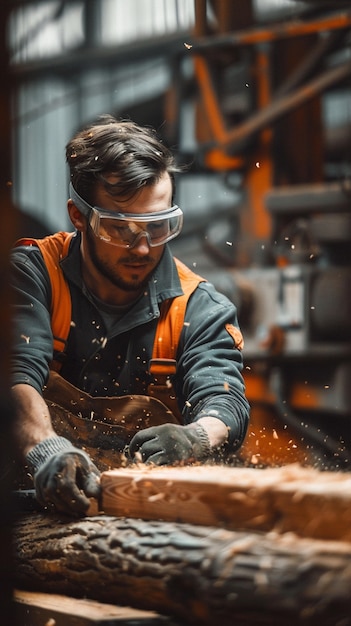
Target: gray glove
{"x":171,"y":444}
{"x":64,"y":476}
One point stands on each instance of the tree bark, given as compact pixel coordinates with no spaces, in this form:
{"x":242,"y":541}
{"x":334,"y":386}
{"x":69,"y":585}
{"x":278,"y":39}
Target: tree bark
{"x":200,"y":574}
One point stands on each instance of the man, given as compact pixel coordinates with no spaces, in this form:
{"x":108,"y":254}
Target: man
{"x":120,"y":279}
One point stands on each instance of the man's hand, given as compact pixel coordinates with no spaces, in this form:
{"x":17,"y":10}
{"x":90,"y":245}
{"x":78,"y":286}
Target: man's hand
{"x":170,"y":444}
{"x":64,"y":478}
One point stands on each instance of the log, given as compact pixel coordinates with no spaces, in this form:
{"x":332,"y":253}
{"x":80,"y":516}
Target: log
{"x":305,"y":501}
{"x":200,"y":574}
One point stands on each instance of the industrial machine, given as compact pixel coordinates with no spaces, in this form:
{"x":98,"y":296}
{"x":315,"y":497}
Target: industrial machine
{"x":269,"y":122}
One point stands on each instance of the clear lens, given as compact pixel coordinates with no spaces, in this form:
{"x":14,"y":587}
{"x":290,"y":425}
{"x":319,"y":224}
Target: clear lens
{"x":124,"y":231}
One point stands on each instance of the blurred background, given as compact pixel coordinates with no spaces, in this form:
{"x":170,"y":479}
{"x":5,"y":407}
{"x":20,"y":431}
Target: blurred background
{"x":254,"y":99}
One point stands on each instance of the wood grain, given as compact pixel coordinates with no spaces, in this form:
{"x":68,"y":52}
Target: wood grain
{"x":37,"y":609}
{"x":304,"y":501}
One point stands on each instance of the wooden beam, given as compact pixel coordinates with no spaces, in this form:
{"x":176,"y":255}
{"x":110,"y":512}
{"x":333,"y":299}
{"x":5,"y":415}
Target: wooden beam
{"x":288,"y":499}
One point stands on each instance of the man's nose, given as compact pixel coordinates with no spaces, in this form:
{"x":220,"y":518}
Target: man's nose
{"x":142,"y":244}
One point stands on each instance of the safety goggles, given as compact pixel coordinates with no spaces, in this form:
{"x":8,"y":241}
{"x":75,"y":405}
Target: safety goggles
{"x":126,"y":229}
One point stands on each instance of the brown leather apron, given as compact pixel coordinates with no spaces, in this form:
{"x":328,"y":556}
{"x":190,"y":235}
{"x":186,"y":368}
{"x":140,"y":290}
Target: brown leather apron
{"x":102,"y":426}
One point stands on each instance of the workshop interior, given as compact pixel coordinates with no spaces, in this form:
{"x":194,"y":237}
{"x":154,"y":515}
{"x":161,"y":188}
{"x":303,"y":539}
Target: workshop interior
{"x":254,"y":98}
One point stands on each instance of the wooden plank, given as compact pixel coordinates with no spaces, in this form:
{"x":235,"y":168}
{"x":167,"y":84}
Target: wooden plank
{"x":291,"y":498}
{"x":39,"y":609}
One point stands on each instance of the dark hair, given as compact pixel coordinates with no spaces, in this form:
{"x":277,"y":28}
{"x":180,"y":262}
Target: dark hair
{"x":133,"y":153}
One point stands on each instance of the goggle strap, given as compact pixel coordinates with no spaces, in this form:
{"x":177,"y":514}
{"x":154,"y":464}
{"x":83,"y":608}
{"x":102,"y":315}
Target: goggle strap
{"x":80,"y":203}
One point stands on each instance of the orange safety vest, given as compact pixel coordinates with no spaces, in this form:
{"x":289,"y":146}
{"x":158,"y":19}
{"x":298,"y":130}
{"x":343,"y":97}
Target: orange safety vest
{"x":54,"y":249}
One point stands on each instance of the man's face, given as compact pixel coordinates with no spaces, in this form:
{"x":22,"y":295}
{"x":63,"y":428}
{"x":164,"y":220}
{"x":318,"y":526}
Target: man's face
{"x":127,"y":269}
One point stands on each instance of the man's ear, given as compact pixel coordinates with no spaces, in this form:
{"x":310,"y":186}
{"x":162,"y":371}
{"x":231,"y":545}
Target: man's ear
{"x":77,"y":218}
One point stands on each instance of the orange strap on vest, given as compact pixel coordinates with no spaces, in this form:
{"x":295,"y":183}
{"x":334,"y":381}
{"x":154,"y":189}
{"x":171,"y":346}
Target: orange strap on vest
{"x":163,"y":363}
{"x":171,"y":323}
{"x":55,"y":247}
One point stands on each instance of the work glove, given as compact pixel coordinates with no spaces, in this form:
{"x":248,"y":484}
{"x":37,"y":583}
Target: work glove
{"x":64,"y":476}
{"x":170,"y":444}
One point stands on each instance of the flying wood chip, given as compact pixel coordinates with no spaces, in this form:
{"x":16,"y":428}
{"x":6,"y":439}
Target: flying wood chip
{"x":236,"y":335}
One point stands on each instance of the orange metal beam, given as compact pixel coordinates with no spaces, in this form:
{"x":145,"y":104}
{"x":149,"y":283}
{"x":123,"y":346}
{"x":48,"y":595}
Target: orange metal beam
{"x":210,"y":101}
{"x":294,"y":28}
{"x":257,"y":220}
